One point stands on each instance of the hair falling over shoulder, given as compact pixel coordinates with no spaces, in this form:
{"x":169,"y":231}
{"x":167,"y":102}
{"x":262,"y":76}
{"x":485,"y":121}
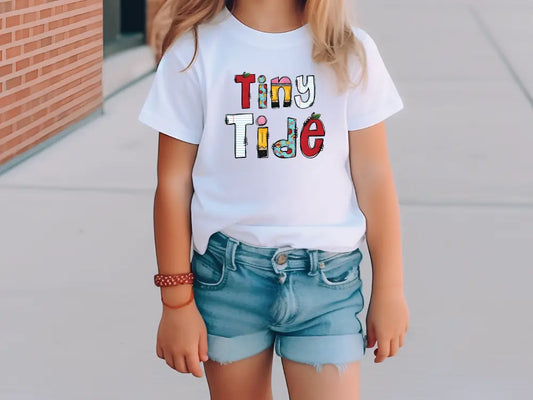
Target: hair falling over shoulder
{"x":329,"y":20}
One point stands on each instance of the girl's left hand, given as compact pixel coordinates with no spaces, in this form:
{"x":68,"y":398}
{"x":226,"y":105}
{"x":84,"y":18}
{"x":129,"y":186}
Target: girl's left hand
{"x":387,"y":322}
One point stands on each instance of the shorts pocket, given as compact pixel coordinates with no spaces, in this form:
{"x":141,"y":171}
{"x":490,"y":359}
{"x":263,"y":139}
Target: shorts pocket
{"x":340,"y":271}
{"x":209,"y":271}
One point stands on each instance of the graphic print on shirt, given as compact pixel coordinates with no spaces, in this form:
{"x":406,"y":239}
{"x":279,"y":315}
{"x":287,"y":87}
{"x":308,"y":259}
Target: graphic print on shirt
{"x":262,"y":137}
{"x":312,"y":128}
{"x":246,"y":79}
{"x":275,"y":85}
{"x":240,"y":121}
{"x":262,"y":92}
{"x":308,"y":86}
{"x":311,"y":152}
{"x":287,"y":148}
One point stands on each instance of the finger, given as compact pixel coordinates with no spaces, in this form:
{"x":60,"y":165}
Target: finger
{"x":181,"y":364}
{"x":202,"y":347}
{"x":193,"y":364}
{"x":393,"y":346}
{"x":170,"y":360}
{"x":370,"y":338}
{"x":382,"y":352}
{"x":159,"y":352}
{"x":400,"y":339}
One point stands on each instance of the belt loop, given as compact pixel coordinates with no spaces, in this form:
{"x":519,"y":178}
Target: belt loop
{"x":313,"y":262}
{"x":231,"y":248}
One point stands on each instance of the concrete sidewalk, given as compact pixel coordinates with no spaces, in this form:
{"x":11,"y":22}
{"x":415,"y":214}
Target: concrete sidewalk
{"x":76,"y":219}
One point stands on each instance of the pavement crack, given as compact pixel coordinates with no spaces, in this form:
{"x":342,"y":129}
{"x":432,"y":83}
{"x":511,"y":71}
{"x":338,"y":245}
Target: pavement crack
{"x":488,"y":35}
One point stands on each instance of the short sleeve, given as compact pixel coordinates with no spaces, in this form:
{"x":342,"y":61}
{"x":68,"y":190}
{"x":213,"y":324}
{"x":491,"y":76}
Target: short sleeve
{"x":173,"y":105}
{"x":372,"y":103}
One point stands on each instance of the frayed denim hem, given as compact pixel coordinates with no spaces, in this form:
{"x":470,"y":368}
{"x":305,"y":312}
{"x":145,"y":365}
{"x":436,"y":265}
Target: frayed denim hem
{"x":341,"y":367}
{"x":221,"y":362}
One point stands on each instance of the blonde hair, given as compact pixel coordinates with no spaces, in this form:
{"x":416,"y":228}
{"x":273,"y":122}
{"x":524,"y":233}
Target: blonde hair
{"x":333,"y":39}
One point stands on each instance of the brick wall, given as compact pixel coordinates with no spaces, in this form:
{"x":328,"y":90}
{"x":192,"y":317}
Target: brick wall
{"x":51,"y":54}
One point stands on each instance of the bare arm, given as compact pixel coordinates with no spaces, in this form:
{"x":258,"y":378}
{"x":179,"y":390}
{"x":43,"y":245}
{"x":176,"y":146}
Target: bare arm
{"x":172,"y":212}
{"x":388,"y":316}
{"x":376,"y":195}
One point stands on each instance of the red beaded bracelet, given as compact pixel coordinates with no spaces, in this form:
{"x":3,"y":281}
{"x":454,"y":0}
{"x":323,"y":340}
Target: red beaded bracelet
{"x":162,"y":280}
{"x":172,"y":280}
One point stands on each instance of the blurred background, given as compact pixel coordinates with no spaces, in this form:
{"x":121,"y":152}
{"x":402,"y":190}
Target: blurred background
{"x":78,"y":309}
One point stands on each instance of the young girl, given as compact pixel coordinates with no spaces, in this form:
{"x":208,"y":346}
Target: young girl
{"x":272,"y":154}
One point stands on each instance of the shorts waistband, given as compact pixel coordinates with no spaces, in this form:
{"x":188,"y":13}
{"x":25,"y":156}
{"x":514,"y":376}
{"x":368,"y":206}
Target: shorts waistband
{"x":277,"y":258}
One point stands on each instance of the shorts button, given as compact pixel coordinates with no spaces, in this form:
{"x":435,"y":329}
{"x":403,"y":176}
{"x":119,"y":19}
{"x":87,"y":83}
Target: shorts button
{"x":281,"y":258}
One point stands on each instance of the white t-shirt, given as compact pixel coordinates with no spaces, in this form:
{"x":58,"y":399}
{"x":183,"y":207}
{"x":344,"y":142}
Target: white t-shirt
{"x":272,"y":167}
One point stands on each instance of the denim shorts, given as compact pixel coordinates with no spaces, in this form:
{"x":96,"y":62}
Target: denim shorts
{"x":304,"y":301}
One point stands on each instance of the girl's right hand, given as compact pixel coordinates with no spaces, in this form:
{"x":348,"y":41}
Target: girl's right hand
{"x":182,"y":339}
